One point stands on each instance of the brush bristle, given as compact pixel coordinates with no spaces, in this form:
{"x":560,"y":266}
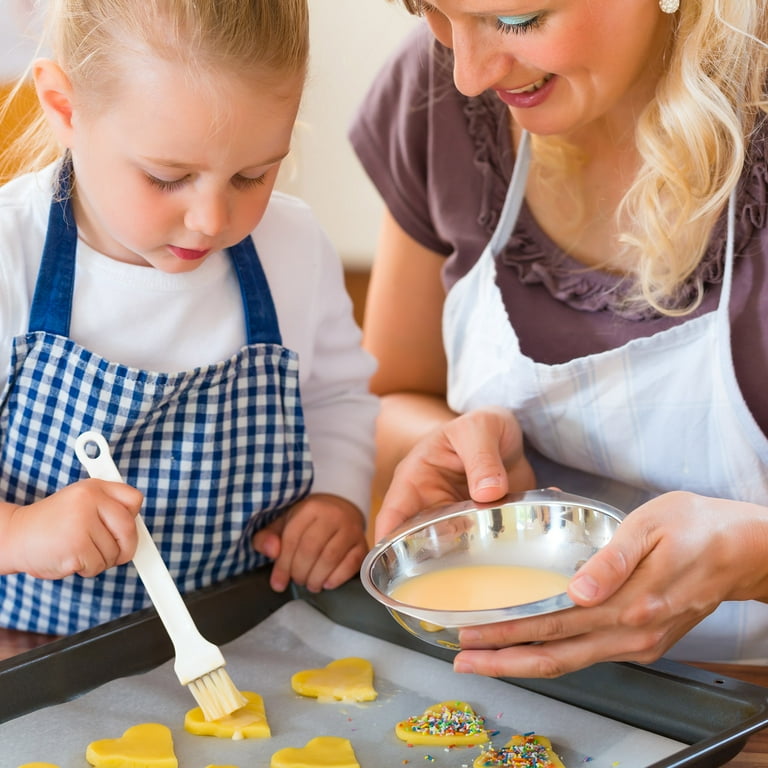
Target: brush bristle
{"x":216,"y":694}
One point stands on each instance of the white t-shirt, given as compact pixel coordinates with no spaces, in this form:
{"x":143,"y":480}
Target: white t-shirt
{"x":145,"y":318}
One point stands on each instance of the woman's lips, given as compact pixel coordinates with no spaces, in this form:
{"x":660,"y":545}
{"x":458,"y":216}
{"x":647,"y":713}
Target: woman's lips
{"x":187,"y":254}
{"x":528,"y":96}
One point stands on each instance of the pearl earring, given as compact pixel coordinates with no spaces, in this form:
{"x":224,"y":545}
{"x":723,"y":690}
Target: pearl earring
{"x":669,"y":6}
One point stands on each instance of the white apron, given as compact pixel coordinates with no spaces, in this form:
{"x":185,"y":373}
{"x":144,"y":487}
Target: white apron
{"x":660,"y":413}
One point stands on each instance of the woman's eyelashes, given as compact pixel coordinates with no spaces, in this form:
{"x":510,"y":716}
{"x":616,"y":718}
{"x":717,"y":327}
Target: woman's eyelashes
{"x":518,"y":24}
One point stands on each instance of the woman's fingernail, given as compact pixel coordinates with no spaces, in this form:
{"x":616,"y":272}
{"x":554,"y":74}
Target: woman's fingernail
{"x":494,"y":481}
{"x":584,"y":587}
{"x":463,"y":667}
{"x":469,"y":635}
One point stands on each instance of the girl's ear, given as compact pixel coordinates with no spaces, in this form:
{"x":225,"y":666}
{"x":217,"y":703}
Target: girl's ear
{"x":54,"y":91}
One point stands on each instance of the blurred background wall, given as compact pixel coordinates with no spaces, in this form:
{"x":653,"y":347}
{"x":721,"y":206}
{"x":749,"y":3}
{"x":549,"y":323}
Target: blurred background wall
{"x":350,"y":40}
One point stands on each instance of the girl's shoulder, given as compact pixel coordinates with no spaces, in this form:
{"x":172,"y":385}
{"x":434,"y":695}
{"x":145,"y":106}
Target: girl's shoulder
{"x":24,"y":206}
{"x":288,"y":222}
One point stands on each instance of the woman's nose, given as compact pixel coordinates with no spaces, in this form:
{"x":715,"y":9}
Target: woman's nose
{"x":208,"y":213}
{"x":480,"y":61}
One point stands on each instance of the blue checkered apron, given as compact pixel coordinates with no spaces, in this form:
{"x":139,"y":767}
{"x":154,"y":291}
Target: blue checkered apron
{"x":218,"y":451}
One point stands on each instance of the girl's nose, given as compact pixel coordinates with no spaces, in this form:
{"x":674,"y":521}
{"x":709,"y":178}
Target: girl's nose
{"x":480,"y":61}
{"x":207,"y":214}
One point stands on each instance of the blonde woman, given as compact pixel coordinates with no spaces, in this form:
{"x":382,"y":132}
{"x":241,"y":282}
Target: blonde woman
{"x":575,"y":256}
{"x":155,"y":288}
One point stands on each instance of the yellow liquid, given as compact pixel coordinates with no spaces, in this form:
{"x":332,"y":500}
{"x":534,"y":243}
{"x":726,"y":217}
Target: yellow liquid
{"x":479,"y":587}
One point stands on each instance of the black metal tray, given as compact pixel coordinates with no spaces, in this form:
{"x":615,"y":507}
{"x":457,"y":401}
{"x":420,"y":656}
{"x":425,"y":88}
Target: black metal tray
{"x":714,"y":715}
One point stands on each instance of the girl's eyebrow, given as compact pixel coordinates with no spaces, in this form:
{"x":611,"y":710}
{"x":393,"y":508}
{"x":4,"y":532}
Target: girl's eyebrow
{"x":168,"y":163}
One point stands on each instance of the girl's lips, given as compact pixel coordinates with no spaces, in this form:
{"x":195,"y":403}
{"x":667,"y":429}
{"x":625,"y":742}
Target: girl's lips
{"x":525,"y":99}
{"x":187,"y":254}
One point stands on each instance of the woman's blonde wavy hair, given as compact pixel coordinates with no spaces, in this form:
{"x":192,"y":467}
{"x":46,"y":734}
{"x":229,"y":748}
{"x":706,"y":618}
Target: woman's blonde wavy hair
{"x":693,"y":140}
{"x":88,"y":38}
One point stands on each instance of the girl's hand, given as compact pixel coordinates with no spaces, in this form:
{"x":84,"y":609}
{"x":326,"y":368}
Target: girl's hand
{"x":478,"y":455}
{"x":670,"y":564}
{"x":319,"y":543}
{"x":85,"y":528}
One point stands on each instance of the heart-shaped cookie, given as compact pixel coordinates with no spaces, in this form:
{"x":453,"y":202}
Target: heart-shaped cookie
{"x":521,"y":751}
{"x":349,"y":679}
{"x":321,"y":752}
{"x":248,"y":722}
{"x":38,"y":765}
{"x":451,"y":723}
{"x":149,"y":745}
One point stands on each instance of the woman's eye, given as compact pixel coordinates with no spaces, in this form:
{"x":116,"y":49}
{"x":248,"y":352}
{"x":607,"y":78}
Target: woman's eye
{"x":518,"y":24}
{"x":164,"y":184}
{"x":245,"y":182}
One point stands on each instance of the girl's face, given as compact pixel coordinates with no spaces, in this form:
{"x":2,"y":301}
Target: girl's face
{"x":171,"y":171}
{"x":560,"y":65}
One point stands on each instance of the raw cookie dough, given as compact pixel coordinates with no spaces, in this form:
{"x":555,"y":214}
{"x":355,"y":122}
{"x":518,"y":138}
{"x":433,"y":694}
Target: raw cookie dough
{"x":450,"y":723}
{"x":248,"y":722}
{"x":521,"y":751}
{"x":38,"y":765}
{"x":321,"y":752}
{"x":149,"y":745}
{"x":349,"y":679}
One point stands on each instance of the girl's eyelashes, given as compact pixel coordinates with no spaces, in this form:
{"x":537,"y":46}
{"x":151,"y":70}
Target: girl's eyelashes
{"x":163,"y":184}
{"x":245,"y":182}
{"x":239,"y":182}
{"x":518,"y":24}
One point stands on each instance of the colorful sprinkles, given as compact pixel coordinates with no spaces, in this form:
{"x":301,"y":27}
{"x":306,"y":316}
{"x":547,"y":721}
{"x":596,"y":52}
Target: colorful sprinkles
{"x":448,"y":721}
{"x":525,"y":751}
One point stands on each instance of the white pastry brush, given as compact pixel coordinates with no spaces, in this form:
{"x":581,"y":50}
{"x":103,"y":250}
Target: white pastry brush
{"x":199,"y":664}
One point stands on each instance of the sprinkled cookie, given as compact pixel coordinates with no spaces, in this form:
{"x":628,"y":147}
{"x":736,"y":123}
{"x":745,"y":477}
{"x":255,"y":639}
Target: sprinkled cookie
{"x":322,"y":752}
{"x":248,"y":722}
{"x":522,"y":751}
{"x":349,"y":679}
{"x":451,"y":723}
{"x":149,"y":745}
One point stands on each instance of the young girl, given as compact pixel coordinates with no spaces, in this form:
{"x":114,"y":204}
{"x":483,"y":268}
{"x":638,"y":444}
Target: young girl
{"x":153,"y":287}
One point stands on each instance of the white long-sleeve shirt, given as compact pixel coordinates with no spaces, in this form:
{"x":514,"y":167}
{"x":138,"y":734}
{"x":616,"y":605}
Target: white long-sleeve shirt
{"x":145,"y":318}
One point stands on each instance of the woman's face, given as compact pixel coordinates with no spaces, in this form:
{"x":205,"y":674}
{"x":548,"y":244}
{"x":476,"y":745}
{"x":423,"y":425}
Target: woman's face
{"x":561,"y":66}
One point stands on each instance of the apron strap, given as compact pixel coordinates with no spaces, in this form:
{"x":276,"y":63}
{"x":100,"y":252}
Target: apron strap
{"x":515,"y":195}
{"x":52,"y":302}
{"x":261,"y":323}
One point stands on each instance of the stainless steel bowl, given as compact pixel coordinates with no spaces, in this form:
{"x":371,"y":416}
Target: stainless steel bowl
{"x":540,"y":529}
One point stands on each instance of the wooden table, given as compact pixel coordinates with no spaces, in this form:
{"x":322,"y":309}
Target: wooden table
{"x":754,"y":754}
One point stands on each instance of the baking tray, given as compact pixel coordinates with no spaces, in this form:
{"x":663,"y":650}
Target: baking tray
{"x":712,"y":715}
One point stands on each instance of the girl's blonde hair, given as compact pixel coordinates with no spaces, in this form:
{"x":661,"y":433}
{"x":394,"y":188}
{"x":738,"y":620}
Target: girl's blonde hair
{"x":693,"y":140}
{"x":88,"y":38}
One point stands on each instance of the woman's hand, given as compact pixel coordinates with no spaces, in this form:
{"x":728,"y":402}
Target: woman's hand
{"x":85,"y":528}
{"x":478,"y":455}
{"x":669,"y":565}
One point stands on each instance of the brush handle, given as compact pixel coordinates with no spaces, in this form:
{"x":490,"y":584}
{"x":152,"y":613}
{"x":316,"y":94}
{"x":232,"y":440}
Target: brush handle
{"x":92,"y":450}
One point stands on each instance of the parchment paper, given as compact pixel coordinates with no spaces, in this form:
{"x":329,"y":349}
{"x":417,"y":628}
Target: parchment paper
{"x":298,"y":637}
